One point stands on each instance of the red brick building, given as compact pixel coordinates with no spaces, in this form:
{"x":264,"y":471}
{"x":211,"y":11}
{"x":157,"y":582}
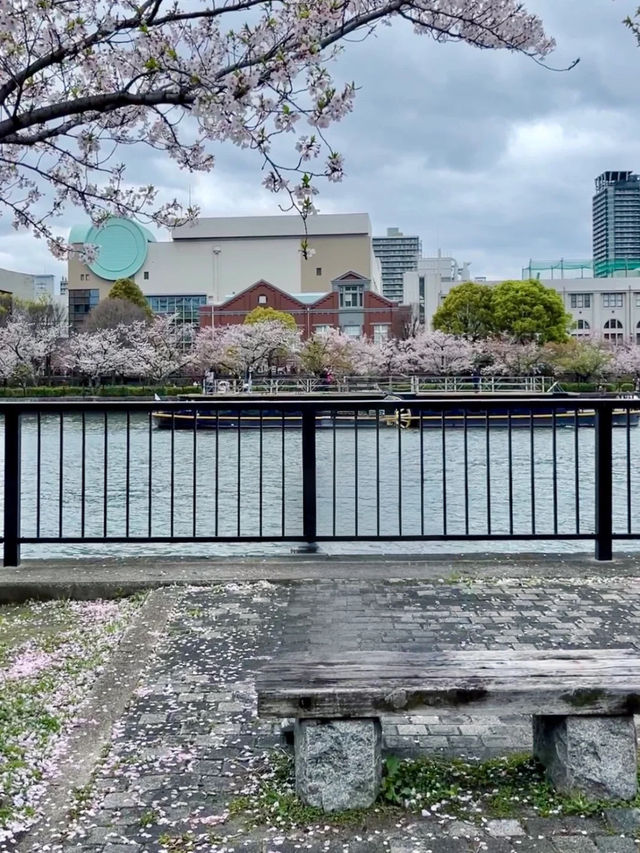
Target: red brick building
{"x":350,"y":306}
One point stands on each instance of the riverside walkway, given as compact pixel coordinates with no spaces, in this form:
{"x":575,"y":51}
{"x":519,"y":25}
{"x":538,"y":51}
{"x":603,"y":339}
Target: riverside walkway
{"x":187,"y":742}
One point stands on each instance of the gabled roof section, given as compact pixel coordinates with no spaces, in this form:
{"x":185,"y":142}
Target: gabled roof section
{"x":261,"y":285}
{"x":310,"y":298}
{"x":351,"y":275}
{"x":327,"y":300}
{"x":381,"y":300}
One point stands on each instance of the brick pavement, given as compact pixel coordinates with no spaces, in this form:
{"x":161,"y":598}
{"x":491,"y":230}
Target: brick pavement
{"x":190,"y":738}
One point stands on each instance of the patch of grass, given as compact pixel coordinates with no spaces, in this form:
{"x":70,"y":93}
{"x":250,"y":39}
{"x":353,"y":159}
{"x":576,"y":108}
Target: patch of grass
{"x":500,"y":788}
{"x":148,"y":818}
{"x":81,"y":797}
{"x":274,"y":802}
{"x":50,"y":653}
{"x":178,"y":843}
{"x":503,"y":787}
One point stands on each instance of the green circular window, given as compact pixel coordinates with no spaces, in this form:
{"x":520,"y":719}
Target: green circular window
{"x":122,"y":248}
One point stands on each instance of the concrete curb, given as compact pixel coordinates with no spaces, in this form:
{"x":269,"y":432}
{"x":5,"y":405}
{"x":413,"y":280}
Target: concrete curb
{"x":90,"y":578}
{"x":104,"y":705}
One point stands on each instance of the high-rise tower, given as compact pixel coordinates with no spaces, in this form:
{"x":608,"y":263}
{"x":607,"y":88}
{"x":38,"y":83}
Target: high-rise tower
{"x":616,"y":223}
{"x":397,"y":254}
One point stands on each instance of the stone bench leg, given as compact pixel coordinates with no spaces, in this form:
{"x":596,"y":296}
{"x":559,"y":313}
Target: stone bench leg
{"x":338,"y":762}
{"x":596,"y":756}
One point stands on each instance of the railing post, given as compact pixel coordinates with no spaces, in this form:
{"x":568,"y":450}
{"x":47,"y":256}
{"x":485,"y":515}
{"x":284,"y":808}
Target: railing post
{"x":11,"y":551}
{"x":604,"y":484}
{"x":309,"y":519}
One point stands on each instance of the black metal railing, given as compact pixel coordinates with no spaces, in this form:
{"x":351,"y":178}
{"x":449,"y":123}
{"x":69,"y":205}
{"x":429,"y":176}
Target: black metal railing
{"x":314,"y":470}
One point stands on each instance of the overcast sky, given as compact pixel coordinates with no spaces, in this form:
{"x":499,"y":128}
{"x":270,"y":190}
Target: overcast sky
{"x":483,"y":154}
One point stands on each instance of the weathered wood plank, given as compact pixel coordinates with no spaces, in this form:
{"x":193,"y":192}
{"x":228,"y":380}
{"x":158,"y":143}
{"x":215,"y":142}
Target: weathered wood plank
{"x":358,"y":684}
{"x":468,"y":696}
{"x":345,"y":669}
{"x":293,"y":669}
{"x":469,"y":654}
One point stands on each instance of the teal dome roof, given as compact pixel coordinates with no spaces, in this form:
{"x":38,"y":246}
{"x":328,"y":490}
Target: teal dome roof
{"x":122,"y":246}
{"x":78,"y":233}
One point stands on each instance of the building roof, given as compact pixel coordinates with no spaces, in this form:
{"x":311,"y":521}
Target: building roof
{"x":79,"y":233}
{"x":309,"y":298}
{"x":122,"y":246}
{"x":239,"y":227}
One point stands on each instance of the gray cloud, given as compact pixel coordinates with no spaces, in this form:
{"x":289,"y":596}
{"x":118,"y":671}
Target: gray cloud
{"x":483,"y":154}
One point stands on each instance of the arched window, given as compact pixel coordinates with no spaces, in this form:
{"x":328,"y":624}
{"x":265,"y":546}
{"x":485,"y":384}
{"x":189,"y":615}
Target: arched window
{"x":613,"y":331}
{"x":582,"y":328}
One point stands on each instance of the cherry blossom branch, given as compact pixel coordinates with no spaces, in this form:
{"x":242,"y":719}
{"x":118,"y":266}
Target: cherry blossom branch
{"x":96,"y":74}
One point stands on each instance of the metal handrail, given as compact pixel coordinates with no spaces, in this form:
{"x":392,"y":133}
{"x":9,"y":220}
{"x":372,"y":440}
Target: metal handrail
{"x":308,"y":410}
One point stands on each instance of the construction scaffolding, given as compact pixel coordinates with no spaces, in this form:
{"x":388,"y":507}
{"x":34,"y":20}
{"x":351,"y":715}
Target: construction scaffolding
{"x":571,"y":268}
{"x":561,"y":268}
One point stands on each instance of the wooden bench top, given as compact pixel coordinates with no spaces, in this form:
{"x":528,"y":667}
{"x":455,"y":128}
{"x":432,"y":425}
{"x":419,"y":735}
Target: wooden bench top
{"x":372,"y":684}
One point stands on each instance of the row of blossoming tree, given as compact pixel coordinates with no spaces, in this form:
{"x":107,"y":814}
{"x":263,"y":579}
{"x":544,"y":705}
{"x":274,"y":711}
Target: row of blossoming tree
{"x":157,"y":351}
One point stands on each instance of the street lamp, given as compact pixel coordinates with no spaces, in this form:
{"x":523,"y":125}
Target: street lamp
{"x":214,"y":281}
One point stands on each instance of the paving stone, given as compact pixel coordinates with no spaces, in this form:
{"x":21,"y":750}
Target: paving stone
{"x":463,"y":829}
{"x":433,"y":845}
{"x":623,"y":820}
{"x":533,"y":845}
{"x":574,"y":844}
{"x":504,"y":828}
{"x":610,"y":844}
{"x":196,"y":707}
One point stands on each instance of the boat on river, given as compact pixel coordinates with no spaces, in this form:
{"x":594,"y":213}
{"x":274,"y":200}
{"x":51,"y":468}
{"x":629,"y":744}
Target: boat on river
{"x":263,"y":417}
{"x":512,"y":417}
{"x":407,"y":414}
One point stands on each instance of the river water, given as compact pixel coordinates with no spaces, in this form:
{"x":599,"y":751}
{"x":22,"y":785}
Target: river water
{"x":391,"y":483}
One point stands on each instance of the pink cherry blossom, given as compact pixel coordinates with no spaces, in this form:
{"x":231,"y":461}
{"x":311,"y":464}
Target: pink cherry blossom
{"x":82,"y":80}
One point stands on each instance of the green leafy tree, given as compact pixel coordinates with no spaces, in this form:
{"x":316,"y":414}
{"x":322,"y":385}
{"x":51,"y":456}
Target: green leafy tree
{"x":125,"y":288}
{"x":582,"y":361}
{"x":467,"y":310}
{"x":261,"y":314}
{"x":527,"y":310}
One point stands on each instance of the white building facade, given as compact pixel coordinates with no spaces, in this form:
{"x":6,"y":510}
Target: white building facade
{"x":422,"y":288}
{"x":607,"y":308}
{"x":211,"y":259}
{"x":26,"y":286}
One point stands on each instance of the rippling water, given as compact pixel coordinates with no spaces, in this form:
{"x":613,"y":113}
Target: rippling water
{"x":391,"y":483}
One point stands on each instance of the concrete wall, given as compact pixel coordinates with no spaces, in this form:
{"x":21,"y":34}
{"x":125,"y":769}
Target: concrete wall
{"x":80,"y":277}
{"x":333,"y":256}
{"x":186,"y":266}
{"x":19,"y":284}
{"x":292,"y":225}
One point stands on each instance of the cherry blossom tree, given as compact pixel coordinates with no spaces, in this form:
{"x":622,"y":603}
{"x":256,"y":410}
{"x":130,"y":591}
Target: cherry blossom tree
{"x":329,"y":351}
{"x":245,"y":349}
{"x":210,"y":351}
{"x":81,"y":80}
{"x":26,"y":349}
{"x":366,"y":357}
{"x":160,"y":349}
{"x":94,"y":355}
{"x":626,"y":361}
{"x":435,"y":354}
{"x":506,"y":357}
